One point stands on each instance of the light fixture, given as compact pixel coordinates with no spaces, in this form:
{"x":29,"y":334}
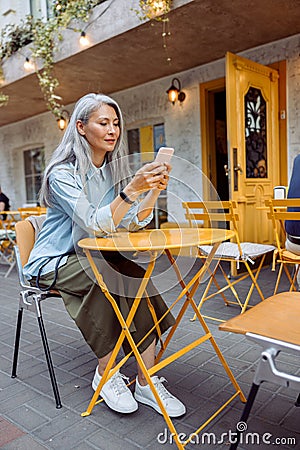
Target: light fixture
{"x":63,"y":120}
{"x":28,"y":64}
{"x":84,"y":40}
{"x":174,"y":92}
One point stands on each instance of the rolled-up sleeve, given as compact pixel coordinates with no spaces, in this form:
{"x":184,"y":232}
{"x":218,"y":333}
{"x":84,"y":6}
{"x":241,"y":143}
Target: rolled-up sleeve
{"x":69,"y":197}
{"x":131,"y":222}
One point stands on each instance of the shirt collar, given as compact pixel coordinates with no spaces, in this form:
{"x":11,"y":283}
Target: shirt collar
{"x":94,"y":171}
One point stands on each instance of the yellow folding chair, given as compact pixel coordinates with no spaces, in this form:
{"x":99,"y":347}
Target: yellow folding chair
{"x":278,"y":214}
{"x":31,"y":211}
{"x":223,"y":214}
{"x":7,"y":241}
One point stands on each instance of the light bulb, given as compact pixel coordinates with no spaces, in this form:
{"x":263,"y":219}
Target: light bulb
{"x":28,"y":65}
{"x":84,"y":40}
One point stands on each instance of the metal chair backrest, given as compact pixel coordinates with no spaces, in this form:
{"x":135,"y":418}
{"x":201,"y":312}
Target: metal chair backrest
{"x":213,"y":213}
{"x":31,"y":211}
{"x":279,"y":212}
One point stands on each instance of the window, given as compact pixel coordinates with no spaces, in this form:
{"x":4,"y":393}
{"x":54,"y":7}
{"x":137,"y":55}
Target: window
{"x":40,"y":8}
{"x":142,"y":143}
{"x":34,"y":164}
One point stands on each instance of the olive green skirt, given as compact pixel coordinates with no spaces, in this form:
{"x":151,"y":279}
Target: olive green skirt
{"x":92,"y":311}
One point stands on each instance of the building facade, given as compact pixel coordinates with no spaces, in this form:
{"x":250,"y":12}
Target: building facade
{"x":151,"y":120}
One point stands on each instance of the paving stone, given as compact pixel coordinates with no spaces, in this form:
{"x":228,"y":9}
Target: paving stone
{"x":197,"y":378}
{"x":8,"y":432}
{"x":25,"y":442}
{"x":26,"y":417}
{"x":78,"y":432}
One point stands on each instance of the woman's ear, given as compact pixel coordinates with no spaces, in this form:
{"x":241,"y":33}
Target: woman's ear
{"x":80,"y":127}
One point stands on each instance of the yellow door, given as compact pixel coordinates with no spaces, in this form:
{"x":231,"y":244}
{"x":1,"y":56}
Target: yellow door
{"x":253,"y":142}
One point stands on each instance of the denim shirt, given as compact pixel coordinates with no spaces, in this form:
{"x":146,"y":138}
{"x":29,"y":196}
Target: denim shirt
{"x":78,"y":211}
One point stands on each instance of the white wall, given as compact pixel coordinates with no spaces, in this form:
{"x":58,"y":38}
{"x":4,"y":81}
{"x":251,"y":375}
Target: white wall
{"x":12,"y":11}
{"x":149,"y":102}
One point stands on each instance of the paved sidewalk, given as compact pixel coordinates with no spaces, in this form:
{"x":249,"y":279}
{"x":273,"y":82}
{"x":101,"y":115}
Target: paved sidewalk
{"x":29,"y":419}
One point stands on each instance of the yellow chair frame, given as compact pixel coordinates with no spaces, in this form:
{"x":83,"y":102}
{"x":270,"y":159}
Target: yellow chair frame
{"x":219,"y":212}
{"x":278,"y":214}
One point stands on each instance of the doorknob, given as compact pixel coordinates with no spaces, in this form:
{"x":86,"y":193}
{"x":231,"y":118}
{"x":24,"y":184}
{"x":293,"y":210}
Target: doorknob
{"x":238,"y":168}
{"x":226,"y":170}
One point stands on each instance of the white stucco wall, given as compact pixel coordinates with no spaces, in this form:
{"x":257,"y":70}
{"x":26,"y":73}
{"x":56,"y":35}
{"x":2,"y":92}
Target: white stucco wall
{"x":148,"y":103}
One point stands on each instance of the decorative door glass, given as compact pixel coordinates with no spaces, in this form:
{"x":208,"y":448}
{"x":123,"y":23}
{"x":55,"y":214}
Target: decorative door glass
{"x":256,"y":134}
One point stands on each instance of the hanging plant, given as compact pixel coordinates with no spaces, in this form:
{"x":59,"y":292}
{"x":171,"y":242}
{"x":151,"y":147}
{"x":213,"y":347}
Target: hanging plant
{"x":154,"y":9}
{"x":45,"y":36}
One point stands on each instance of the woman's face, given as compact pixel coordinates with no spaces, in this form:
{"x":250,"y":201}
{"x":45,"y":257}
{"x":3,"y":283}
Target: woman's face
{"x":102,"y":132}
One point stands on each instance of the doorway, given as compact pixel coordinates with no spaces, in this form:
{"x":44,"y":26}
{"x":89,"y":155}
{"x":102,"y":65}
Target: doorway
{"x":214,"y":135}
{"x":221,"y":160}
{"x":224,"y":106}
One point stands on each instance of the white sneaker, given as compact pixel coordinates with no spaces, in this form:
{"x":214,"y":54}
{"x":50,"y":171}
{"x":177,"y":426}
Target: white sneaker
{"x":115,"y":393}
{"x":143,"y":394}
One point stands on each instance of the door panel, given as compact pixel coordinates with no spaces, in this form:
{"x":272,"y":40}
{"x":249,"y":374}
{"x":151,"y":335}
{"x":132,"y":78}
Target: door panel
{"x":253,"y":142}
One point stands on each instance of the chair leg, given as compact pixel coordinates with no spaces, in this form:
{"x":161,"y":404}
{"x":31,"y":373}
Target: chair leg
{"x":245,"y":414}
{"x":298,"y":401}
{"x":17,"y":343}
{"x":49,"y":362}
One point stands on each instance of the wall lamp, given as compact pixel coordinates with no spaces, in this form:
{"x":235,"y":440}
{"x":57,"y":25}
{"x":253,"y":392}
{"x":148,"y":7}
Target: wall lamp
{"x":174,"y":92}
{"x":63,"y":120}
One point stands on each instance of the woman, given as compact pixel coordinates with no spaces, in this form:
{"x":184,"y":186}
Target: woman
{"x":88,"y":191}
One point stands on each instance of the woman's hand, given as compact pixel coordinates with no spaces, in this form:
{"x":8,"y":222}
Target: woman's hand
{"x":154,"y":175}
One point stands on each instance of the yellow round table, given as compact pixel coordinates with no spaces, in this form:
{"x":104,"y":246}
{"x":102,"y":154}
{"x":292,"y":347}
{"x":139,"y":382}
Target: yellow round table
{"x":157,"y":241}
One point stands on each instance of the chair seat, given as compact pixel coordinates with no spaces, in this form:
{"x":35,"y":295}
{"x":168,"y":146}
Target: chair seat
{"x":286,"y":255}
{"x":230,"y":250}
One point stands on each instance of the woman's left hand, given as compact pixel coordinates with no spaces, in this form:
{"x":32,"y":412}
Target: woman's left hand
{"x":163,"y":183}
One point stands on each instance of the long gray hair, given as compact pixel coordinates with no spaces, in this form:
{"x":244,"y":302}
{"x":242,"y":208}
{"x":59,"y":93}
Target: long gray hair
{"x":75,"y":148}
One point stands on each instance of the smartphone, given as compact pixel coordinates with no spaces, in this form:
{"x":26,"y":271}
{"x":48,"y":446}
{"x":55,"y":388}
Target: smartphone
{"x":164,"y":154}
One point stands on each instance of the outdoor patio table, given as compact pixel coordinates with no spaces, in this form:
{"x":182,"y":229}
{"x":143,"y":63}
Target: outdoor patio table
{"x":157,"y":241}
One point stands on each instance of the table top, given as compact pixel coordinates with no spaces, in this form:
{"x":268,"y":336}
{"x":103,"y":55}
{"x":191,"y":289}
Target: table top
{"x":277,"y":317}
{"x":157,"y":239}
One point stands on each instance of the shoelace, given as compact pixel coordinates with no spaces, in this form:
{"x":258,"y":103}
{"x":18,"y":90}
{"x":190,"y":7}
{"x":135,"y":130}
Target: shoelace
{"x":118,"y":383}
{"x":161,"y":390}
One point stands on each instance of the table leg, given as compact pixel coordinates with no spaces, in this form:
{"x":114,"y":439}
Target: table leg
{"x":125,"y":325}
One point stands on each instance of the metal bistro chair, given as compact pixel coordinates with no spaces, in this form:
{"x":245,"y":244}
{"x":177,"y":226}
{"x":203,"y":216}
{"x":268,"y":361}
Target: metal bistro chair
{"x":217,"y":213}
{"x":278,"y":213}
{"x":30,"y":299}
{"x":274,"y":325}
{"x":31,"y":211}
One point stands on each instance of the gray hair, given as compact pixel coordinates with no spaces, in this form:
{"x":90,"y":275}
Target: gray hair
{"x":75,"y":148}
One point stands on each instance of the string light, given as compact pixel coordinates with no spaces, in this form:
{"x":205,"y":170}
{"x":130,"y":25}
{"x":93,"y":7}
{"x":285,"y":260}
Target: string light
{"x":165,"y":35}
{"x":84,"y":40}
{"x":28,"y":64}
